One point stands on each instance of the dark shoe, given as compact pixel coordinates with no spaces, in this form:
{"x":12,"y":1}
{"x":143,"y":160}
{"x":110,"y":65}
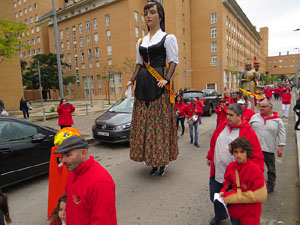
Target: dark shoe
{"x":191,"y":142}
{"x":196,"y":144}
{"x":296,"y":128}
{"x":153,"y":171}
{"x":270,"y":190}
{"x":182,"y":133}
{"x":162,"y":171}
{"x":213,"y":221}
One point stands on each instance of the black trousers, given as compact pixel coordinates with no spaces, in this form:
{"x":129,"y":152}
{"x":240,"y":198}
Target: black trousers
{"x":63,"y":126}
{"x":181,"y":119}
{"x":235,"y":222}
{"x":270,"y":163}
{"x":298,"y":122}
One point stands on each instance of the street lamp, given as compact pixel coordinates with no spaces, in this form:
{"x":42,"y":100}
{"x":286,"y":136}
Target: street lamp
{"x":297,"y":29}
{"x":214,"y":63}
{"x":185,"y":76}
{"x":88,"y":77}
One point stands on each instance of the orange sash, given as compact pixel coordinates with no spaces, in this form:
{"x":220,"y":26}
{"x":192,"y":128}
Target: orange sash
{"x":158,"y":77}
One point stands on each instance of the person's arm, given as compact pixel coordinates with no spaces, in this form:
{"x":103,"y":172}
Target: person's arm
{"x":60,"y":108}
{"x":135,"y":74}
{"x":168,"y":76}
{"x":72,"y":108}
{"x":102,"y":204}
{"x":257,"y":155}
{"x":281,"y":138}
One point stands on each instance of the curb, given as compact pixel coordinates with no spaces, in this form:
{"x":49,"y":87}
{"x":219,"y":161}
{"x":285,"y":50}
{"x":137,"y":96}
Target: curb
{"x":90,"y":140}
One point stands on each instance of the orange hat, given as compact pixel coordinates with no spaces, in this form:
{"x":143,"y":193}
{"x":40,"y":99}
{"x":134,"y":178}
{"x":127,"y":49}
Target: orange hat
{"x":64,"y":134}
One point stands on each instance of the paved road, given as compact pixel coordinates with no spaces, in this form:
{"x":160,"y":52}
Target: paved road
{"x":181,"y":197}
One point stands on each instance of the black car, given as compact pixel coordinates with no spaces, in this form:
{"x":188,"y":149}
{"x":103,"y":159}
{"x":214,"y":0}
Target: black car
{"x":114,"y":125}
{"x":25,"y":150}
{"x":209,"y":96}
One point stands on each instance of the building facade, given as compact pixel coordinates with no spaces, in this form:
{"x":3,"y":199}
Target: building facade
{"x":223,"y":39}
{"x":287,"y":65}
{"x":11,"y":89}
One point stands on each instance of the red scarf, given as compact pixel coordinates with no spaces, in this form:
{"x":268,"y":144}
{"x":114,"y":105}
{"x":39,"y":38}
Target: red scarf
{"x":275,"y":116}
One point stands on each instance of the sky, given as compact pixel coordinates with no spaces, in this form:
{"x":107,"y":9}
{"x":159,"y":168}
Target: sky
{"x":281,"y":17}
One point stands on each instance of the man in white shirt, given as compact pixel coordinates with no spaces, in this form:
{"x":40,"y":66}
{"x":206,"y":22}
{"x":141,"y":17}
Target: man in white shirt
{"x":268,"y":127}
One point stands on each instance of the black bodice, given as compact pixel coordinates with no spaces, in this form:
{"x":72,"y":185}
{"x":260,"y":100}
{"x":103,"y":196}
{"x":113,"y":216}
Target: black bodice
{"x":146,"y":85}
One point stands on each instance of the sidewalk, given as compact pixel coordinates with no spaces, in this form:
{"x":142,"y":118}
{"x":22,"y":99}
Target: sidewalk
{"x":83,"y":117}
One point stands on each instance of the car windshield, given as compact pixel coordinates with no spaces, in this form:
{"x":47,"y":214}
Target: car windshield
{"x":192,"y":95}
{"x":123,"y":106}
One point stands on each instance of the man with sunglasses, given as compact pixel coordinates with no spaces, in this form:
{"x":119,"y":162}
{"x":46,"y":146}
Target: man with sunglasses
{"x":268,"y":127}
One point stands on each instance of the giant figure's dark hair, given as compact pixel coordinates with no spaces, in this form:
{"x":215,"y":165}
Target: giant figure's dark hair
{"x":160,"y":10}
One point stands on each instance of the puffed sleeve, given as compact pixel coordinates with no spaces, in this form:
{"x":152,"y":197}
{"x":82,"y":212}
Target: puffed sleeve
{"x":139,"y":59}
{"x":171,"y":47}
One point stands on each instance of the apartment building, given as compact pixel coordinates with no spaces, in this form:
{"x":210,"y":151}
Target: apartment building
{"x":283,"y":64}
{"x":11,"y":88}
{"x":223,"y":38}
{"x":29,"y":12}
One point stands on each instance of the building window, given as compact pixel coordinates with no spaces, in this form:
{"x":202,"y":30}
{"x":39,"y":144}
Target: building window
{"x":183,"y":31}
{"x":99,"y":84}
{"x":270,"y":61}
{"x":109,"y":51}
{"x":107,"y":20}
{"x":25,"y":11}
{"x":292,"y":65}
{"x":40,"y":50}
{"x":112,"y":90}
{"x":182,"y":2}
{"x":83,"y":66}
{"x":183,"y":45}
{"x":89,"y":52}
{"x":62,"y":47}
{"x":31,"y":20}
{"x":182,"y":16}
{"x":16,"y":15}
{"x":87,"y":26}
{"x":184,"y":60}
{"x":29,"y":8}
{"x":214,"y":46}
{"x":120,"y":90}
{"x":35,"y":5}
{"x":213,"y":18}
{"x":70,"y":68}
{"x":143,"y":20}
{"x":88,"y":40}
{"x":61,"y":35}
{"x":108,"y":35}
{"x":26,"y":21}
{"x":213,"y":61}
{"x":95,"y":24}
{"x":36,"y":17}
{"x":32,"y":30}
{"x":285,"y":66}
{"x":15,"y":5}
{"x":90,"y":65}
{"x":112,"y":78}
{"x":97,"y":64}
{"x":81,"y":41}
{"x":213,"y":33}
{"x":136,"y":17}
{"x":280,"y":60}
{"x":97,"y":52}
{"x":29,"y":53}
{"x":69,"y":58}
{"x":136,"y":32}
{"x":21,"y":13}
{"x":120,"y":78}
{"x":67,"y":32}
{"x":96,"y":38}
{"x":109,"y":62}
{"x":68,"y":45}
{"x":82,"y":55}
{"x":34,"y":52}
{"x":19,"y":2}
{"x":38,"y":40}
{"x":37,"y":29}
{"x":28,"y":42}
{"x":80,"y":28}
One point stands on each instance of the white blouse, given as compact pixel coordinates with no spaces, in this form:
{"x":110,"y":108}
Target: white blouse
{"x":170,"y":45}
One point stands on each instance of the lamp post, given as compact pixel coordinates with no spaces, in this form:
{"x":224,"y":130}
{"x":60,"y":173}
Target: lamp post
{"x":185,"y":75}
{"x":214,"y":63}
{"x":90,"y":80}
{"x":60,"y":80}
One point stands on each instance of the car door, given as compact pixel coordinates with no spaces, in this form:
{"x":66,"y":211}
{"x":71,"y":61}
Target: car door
{"x":20,"y":158}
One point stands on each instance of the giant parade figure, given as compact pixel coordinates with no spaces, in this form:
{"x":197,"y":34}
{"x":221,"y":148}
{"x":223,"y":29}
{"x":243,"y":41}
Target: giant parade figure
{"x":249,"y":78}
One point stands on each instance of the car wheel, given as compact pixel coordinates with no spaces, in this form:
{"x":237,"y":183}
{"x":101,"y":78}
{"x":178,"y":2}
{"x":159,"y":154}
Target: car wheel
{"x":210,"y":111}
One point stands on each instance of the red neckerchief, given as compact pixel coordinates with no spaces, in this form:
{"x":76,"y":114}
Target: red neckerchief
{"x":275,"y":116}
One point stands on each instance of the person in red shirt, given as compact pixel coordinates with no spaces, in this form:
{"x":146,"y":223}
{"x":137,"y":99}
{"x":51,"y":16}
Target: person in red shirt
{"x":276,"y":93}
{"x":268,"y":93}
{"x":286,"y":102}
{"x":190,"y":111}
{"x":65,"y":110}
{"x":247,"y":113}
{"x":218,"y":156}
{"x":221,"y":112}
{"x":234,"y":99}
{"x":90,"y":188}
{"x":201,"y":105}
{"x":179,"y":105}
{"x":227,"y":97}
{"x":251,"y":179}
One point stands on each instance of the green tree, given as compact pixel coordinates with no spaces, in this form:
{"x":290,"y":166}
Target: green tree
{"x":129,"y":65}
{"x":49,"y":72}
{"x":23,"y":66}
{"x":69,"y":82}
{"x":11,"y":38}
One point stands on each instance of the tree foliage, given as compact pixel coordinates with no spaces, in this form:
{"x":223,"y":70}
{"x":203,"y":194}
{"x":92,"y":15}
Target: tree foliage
{"x":69,"y":81}
{"x":11,"y":38}
{"x":129,"y":65}
{"x":49,"y":72}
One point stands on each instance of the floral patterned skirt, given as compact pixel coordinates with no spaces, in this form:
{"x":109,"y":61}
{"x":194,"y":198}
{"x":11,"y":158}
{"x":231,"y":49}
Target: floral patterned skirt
{"x":153,"y":136}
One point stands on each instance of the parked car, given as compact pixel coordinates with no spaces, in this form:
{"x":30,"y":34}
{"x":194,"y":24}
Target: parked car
{"x":209,"y":97}
{"x":25,"y":150}
{"x":114,"y":125}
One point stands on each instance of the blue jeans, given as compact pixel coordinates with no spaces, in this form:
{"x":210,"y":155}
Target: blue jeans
{"x":215,"y":187}
{"x":195,"y":125}
{"x":200,"y":119}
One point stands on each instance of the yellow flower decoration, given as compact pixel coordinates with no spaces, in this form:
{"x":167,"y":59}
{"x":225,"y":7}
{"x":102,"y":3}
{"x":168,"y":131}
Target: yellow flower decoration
{"x":64,"y":134}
